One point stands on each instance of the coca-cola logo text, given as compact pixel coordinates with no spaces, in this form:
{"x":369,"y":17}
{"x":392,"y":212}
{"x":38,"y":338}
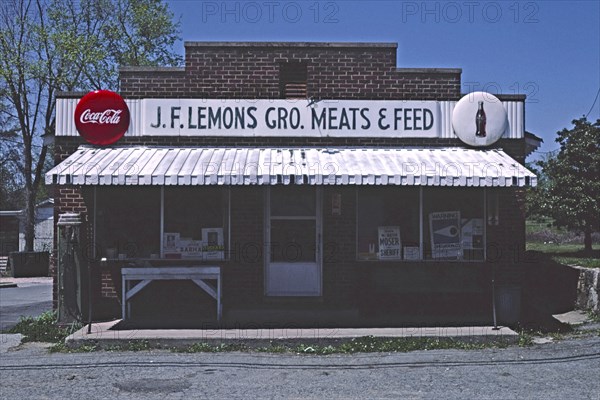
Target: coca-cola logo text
{"x":107,"y":117}
{"x":102,"y":117}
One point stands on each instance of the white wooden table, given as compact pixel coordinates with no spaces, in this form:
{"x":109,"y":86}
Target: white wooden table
{"x":198,"y":275}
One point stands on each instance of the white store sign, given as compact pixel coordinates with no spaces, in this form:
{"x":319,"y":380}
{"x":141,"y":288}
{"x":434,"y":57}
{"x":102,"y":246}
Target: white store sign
{"x":390,"y":245}
{"x":347,"y":118}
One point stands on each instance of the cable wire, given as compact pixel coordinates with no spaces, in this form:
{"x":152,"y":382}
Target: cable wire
{"x":595,"y":100}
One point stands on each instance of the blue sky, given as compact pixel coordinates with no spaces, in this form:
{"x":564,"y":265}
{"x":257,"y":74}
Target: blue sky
{"x":548,"y":50}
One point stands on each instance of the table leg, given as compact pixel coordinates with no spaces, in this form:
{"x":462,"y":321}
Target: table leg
{"x":219,"y":305}
{"x":124,"y":298}
{"x":128,"y":302}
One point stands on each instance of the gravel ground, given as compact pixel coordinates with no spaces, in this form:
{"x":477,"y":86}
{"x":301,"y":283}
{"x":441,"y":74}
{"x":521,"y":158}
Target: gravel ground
{"x":557,"y":370}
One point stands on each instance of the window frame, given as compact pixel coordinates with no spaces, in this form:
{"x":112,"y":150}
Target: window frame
{"x":422,"y":259}
{"x":225,"y":195}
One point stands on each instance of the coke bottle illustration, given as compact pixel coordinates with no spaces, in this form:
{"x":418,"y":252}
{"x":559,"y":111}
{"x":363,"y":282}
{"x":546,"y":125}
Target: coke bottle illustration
{"x":480,"y":120}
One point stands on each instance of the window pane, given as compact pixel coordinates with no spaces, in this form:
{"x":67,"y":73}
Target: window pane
{"x":293,"y":240}
{"x":190,"y":210}
{"x":290,"y":201}
{"x":128,"y":221}
{"x":453,"y":223}
{"x":382,"y":210}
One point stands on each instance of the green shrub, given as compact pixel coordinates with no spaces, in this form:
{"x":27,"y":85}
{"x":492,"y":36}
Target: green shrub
{"x":44,"y":328}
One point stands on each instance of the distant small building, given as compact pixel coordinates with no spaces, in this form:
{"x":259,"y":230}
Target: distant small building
{"x":12,"y":229}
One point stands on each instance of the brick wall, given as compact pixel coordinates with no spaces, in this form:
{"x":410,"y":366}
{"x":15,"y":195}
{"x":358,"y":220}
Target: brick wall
{"x":340,"y":269}
{"x":506,"y":241}
{"x":243,"y":277}
{"x":107,"y":286}
{"x":365,"y":72}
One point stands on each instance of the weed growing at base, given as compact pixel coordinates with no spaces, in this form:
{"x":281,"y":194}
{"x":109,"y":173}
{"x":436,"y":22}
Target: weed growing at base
{"x":44,"y":328}
{"x":366,"y":344}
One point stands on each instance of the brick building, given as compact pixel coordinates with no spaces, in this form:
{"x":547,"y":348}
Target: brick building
{"x":328,"y":185}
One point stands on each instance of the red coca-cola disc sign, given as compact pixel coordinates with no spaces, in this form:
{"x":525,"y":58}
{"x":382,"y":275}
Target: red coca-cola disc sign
{"x":102,"y":117}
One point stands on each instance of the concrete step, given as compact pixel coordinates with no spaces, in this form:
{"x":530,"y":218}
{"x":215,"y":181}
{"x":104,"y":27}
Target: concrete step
{"x":104,"y":335}
{"x":3,"y":265}
{"x":573,"y":318}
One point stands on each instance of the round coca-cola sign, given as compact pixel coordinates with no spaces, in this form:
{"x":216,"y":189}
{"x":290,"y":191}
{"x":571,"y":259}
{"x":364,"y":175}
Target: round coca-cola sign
{"x":102,"y":117}
{"x":479,"y":119}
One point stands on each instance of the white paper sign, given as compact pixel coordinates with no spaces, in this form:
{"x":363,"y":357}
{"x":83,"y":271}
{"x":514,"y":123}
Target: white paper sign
{"x":390,"y":246}
{"x":170,"y":241}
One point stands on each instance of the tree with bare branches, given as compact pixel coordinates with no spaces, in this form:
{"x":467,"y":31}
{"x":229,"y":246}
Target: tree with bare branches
{"x":49,"y":46}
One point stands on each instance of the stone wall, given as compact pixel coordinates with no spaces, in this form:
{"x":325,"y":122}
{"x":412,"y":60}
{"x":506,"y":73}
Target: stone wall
{"x":588,"y":289}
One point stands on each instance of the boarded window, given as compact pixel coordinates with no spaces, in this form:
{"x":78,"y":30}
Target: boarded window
{"x":292,"y":80}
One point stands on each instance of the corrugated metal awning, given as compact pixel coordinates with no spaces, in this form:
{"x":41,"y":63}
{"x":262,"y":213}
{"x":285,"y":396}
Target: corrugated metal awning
{"x":153,"y":165}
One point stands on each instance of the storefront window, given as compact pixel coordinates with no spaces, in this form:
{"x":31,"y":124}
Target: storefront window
{"x":388,"y":223}
{"x":127,"y":222}
{"x":294,"y":201}
{"x":389,"y":227}
{"x":195,"y":222}
{"x":453,"y":223}
{"x":293,"y":224}
{"x":293,"y":240}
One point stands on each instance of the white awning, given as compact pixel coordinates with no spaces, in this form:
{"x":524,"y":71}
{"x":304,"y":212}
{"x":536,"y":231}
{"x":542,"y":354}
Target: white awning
{"x":154,"y":165}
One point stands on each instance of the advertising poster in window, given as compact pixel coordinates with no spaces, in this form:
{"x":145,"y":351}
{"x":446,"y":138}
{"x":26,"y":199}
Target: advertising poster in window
{"x":170,"y":241}
{"x":171,"y":245}
{"x":212,"y":244}
{"x":190,"y":248}
{"x":390,"y":245}
{"x":445,"y":234}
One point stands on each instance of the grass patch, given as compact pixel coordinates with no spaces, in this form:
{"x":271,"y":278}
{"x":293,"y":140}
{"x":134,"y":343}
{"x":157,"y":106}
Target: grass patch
{"x":44,"y":328}
{"x":569,"y":254}
{"x":561,"y":245}
{"x":367,"y":344}
{"x":525,"y":339}
{"x":213,"y":348}
{"x":370,"y":344}
{"x":134,"y":345}
{"x":62,"y":348}
{"x":593,"y":317}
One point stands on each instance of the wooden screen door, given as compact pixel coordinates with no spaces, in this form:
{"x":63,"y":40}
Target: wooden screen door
{"x":293,"y":238}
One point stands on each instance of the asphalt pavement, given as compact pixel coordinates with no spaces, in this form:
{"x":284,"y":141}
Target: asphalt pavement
{"x":567,"y":369}
{"x":30,"y":297}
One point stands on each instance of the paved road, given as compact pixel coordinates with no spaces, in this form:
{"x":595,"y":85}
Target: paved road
{"x":563,"y":370}
{"x":31,"y":297}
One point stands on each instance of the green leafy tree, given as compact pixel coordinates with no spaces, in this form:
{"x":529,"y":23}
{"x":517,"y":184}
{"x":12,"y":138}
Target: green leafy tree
{"x":48,"y":46}
{"x":10,"y":186}
{"x":535,"y":207}
{"x":571,"y":194}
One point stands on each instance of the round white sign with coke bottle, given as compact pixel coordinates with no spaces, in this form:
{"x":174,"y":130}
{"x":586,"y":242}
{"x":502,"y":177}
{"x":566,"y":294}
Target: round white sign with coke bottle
{"x":479,"y":119}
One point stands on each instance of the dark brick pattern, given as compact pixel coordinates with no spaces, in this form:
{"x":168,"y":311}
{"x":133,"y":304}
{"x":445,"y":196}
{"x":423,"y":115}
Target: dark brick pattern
{"x":367,"y":73}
